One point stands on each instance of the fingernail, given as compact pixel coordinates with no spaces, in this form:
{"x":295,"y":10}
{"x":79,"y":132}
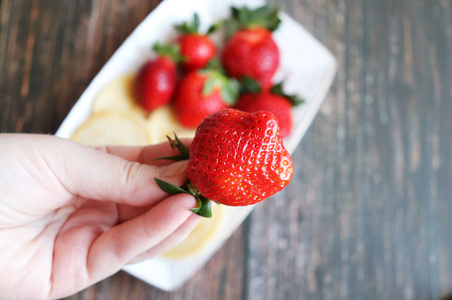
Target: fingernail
{"x":173,"y":169}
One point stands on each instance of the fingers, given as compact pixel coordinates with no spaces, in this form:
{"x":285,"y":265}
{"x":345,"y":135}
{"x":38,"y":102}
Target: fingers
{"x":123,"y":242}
{"x":126,"y":182}
{"x":99,"y":175}
{"x":171,"y":241}
{"x":65,"y":168}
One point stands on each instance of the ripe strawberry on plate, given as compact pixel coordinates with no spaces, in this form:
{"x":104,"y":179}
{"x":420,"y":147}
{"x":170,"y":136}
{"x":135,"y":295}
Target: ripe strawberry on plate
{"x":198,"y":49}
{"x":254,"y":99}
{"x":250,"y":49}
{"x":236,"y":158}
{"x":156,"y":80}
{"x":201,"y":93}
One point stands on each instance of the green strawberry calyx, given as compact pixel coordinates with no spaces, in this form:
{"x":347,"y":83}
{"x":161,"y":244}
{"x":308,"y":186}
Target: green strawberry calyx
{"x":203,"y":209}
{"x":170,"y":51}
{"x":294,"y":99}
{"x":265,"y":16}
{"x":193,"y":27}
{"x":217,"y":80}
{"x":250,"y":86}
{"x":176,"y":144}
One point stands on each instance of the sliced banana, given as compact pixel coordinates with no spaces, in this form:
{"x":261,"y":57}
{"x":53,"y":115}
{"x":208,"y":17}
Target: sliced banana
{"x":162,"y":122}
{"x":200,"y":237}
{"x":118,"y":96}
{"x":113,"y":128}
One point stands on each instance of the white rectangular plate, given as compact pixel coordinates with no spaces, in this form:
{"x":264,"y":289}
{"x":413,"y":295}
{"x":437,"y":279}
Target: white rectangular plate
{"x":306,"y":66}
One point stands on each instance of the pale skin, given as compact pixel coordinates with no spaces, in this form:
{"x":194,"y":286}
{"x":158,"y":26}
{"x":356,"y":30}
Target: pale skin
{"x":72,"y":215}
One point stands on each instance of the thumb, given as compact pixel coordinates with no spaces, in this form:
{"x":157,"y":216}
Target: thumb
{"x":98,"y":175}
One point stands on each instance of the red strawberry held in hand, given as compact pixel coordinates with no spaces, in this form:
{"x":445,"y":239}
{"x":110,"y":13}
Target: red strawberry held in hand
{"x":156,"y":80}
{"x":202,"y":93}
{"x":273,"y":100}
{"x":251,"y":50}
{"x":236,"y":158}
{"x":198,"y":49}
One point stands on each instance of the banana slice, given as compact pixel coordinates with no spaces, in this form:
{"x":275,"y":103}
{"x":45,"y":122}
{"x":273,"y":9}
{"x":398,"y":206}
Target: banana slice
{"x":162,"y":122}
{"x":113,"y":128}
{"x":200,"y":237}
{"x":118,"y":96}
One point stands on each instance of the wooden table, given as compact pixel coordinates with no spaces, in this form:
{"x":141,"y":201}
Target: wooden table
{"x":369,"y":212}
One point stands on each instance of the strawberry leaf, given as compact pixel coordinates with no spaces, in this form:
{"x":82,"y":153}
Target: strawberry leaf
{"x":204,"y":208}
{"x":214,"y":27}
{"x":169,"y":188}
{"x":171,"y":51}
{"x":217,"y":80}
{"x":277,"y":89}
{"x":231,"y":26}
{"x":230,"y":90}
{"x":213,"y":65}
{"x":208,"y":86}
{"x":243,"y":15}
{"x":176,"y":144}
{"x":235,"y":12}
{"x":189,"y":28}
{"x":196,"y":22}
{"x":249,"y":85}
{"x":174,"y":158}
{"x":265,"y":16}
{"x":295,"y":100}
{"x":183,"y":150}
{"x":198,"y":208}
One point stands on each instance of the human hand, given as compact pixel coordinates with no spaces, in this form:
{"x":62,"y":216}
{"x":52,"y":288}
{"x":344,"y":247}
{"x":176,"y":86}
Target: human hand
{"x":71,"y":215}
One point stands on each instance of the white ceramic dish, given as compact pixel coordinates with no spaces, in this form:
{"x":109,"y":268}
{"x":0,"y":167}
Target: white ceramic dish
{"x":306,"y":66}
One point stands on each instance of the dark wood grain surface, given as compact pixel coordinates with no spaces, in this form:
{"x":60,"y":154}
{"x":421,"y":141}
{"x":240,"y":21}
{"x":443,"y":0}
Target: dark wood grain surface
{"x":369,"y":213}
